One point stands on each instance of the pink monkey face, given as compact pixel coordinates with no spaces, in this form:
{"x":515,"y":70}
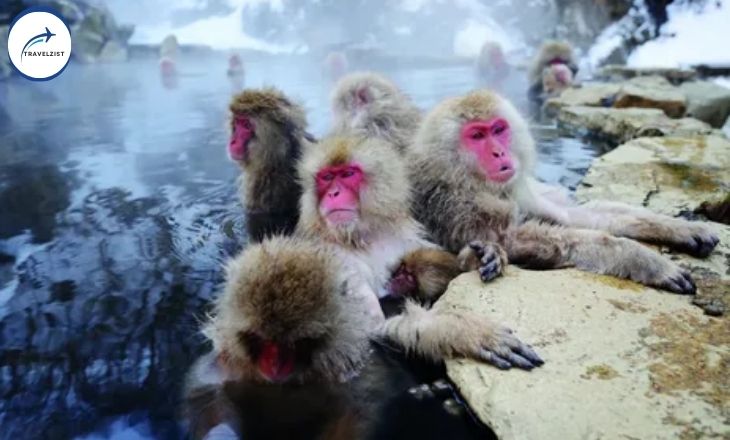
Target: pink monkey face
{"x":338,"y":192}
{"x":243,"y":131}
{"x":490,"y":141}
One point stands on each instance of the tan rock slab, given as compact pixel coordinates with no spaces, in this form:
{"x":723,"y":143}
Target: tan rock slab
{"x":622,"y":361}
{"x":616,"y":126}
{"x":707,"y":102}
{"x":614,"y":72}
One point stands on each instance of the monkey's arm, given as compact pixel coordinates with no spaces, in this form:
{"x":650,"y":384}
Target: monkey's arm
{"x":442,"y":332}
{"x":540,"y":246}
{"x":550,"y":203}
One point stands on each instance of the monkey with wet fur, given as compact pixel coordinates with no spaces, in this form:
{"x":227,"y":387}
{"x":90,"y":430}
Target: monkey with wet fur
{"x":471,"y":166}
{"x":552,"y":70}
{"x":268,"y":132}
{"x":368,"y":104}
{"x":292,"y":357}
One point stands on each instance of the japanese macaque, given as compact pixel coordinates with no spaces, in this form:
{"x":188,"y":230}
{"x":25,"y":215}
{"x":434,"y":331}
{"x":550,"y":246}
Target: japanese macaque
{"x":356,"y":197}
{"x":292,"y":356}
{"x":472,"y":163}
{"x":555,"y":79}
{"x":168,"y":57}
{"x":335,"y":65}
{"x":235,"y":66}
{"x":491,"y":66}
{"x":370,"y":105}
{"x":551,"y":54}
{"x":268,"y":132}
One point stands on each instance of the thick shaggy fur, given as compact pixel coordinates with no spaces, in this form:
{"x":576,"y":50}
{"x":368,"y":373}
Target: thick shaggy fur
{"x":457,"y":204}
{"x":384,"y":236}
{"x":268,"y":188}
{"x":367,"y":104}
{"x":550,"y":52}
{"x":291,"y":289}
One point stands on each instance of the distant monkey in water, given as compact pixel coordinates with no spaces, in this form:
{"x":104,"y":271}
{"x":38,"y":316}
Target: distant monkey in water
{"x":491,"y":66}
{"x":552,"y":71}
{"x":471,"y":167}
{"x":368,"y":104}
{"x":268,"y":133}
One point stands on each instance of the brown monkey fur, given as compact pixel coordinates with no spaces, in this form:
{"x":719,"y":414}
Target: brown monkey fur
{"x":373,"y":246}
{"x":290,"y":290}
{"x":367,"y":104}
{"x":549,"y":52}
{"x":268,"y":187}
{"x":538,"y":225}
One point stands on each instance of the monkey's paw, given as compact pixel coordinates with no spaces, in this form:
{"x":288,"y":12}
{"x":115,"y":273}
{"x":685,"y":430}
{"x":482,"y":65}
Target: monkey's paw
{"x":695,"y":239}
{"x":489,"y":259}
{"x":672,"y":278}
{"x":504,"y":350}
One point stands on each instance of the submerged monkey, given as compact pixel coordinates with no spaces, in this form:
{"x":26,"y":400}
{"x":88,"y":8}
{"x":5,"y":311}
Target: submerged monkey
{"x":294,"y":357}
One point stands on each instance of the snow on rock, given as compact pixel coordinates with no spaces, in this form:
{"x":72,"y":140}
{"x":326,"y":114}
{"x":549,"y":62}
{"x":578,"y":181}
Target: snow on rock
{"x":693,"y":36}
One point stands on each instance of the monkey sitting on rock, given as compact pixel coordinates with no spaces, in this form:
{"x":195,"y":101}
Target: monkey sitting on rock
{"x":472,"y":172}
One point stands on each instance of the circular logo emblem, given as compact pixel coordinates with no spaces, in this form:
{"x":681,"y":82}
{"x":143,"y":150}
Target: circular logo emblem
{"x":39,"y":44}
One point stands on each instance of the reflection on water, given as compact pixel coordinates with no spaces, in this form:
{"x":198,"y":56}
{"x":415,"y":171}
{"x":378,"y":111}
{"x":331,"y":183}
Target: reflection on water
{"x":117,"y":206}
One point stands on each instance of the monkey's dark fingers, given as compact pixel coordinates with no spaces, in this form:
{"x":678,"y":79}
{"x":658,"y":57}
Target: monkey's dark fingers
{"x":682,"y":284}
{"x":521,"y":362}
{"x":492,"y":358}
{"x":529,"y":353}
{"x":478,"y":248}
{"x":490,"y":270}
{"x":703,"y":246}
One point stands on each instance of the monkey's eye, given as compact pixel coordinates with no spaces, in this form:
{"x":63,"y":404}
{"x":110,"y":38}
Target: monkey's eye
{"x":348,"y":173}
{"x":477,"y":134}
{"x":328,"y":177}
{"x":499,"y":128}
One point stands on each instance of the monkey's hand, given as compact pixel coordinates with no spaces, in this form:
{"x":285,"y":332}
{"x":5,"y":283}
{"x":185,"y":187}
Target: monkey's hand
{"x":488,"y":258}
{"x":694,"y":238}
{"x":445,"y":332}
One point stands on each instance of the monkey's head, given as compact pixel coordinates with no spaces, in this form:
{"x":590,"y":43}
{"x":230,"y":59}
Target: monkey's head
{"x":556,"y":78}
{"x":262,"y":125}
{"x":492,"y":51}
{"x":550,"y":53}
{"x":286,"y":315}
{"x":352,"y":188}
{"x":480,"y":136}
{"x":369,"y":100}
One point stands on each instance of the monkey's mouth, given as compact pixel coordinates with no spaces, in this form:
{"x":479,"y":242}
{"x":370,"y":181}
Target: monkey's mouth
{"x":503,"y":175}
{"x":342,"y":216}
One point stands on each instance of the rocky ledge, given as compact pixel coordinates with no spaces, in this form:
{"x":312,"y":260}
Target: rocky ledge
{"x":622,"y":360}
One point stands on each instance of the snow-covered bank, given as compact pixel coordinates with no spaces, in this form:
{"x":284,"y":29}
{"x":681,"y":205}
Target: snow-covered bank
{"x":218,"y":32}
{"x":692,"y":36}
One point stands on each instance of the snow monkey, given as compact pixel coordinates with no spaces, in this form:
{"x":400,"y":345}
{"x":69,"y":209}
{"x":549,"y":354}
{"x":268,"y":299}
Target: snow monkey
{"x":548,"y":74}
{"x":268,"y":132}
{"x":472,"y":174}
{"x":491,"y":65}
{"x":293,"y":356}
{"x":356,"y":197}
{"x":369,"y":105}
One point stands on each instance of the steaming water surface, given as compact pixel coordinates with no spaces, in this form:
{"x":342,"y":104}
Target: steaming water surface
{"x":117,"y":206}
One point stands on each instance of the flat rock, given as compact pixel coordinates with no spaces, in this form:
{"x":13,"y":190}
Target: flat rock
{"x":669,"y":175}
{"x":616,"y":126}
{"x":617,"y":72}
{"x":707,"y":101}
{"x":641,"y":92}
{"x":652,"y":92}
{"x":622,"y":361}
